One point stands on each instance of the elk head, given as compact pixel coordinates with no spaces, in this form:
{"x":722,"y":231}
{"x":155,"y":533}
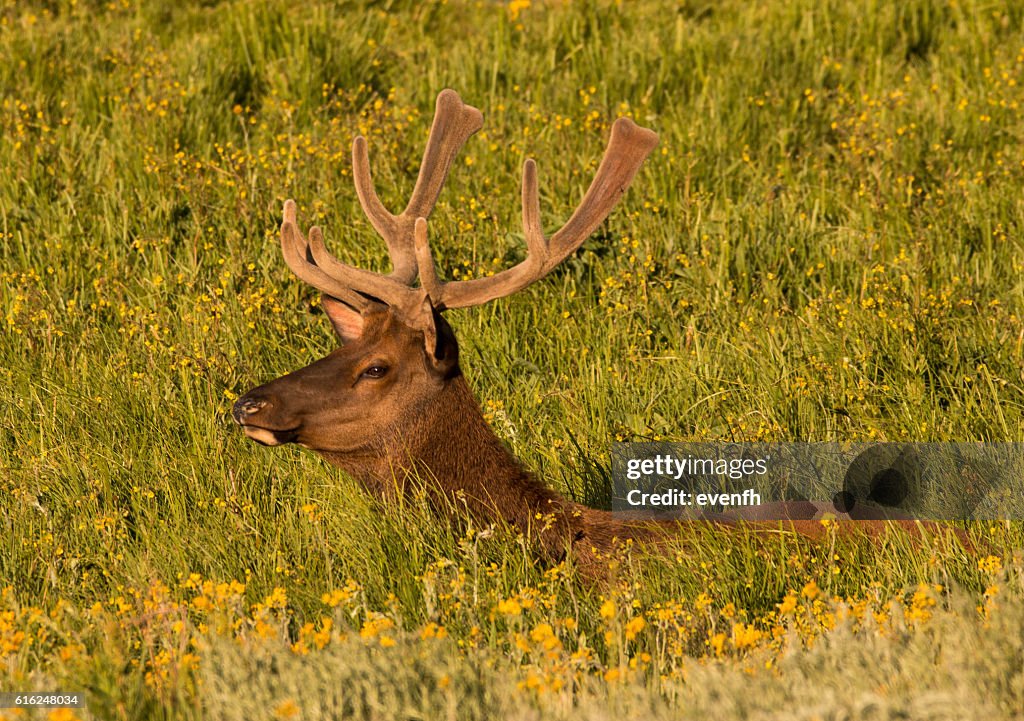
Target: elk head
{"x":398,"y":356}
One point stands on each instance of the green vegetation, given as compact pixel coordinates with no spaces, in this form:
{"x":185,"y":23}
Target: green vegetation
{"x":825,"y":246}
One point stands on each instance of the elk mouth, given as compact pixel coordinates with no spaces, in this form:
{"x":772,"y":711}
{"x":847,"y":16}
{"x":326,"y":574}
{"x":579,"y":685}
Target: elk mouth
{"x":254,"y":405}
{"x":270,"y":436}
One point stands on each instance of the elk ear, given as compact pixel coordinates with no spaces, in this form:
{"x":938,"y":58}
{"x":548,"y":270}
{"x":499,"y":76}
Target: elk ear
{"x":347,"y":321}
{"x":443,"y":349}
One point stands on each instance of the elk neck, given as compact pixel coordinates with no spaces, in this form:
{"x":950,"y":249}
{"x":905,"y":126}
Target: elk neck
{"x":449,"y":447}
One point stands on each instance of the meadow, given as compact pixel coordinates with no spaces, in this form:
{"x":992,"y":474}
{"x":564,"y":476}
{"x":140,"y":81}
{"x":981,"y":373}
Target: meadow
{"x":826,"y":246}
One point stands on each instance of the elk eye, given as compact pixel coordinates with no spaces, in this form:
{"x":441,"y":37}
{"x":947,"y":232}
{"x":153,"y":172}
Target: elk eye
{"x":375,"y":371}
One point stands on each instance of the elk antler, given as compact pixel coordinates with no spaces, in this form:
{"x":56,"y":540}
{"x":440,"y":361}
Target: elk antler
{"x":406,"y":234}
{"x":454,"y":122}
{"x":627,"y":148}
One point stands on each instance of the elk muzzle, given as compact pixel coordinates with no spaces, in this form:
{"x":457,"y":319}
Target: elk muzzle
{"x":255,"y":412}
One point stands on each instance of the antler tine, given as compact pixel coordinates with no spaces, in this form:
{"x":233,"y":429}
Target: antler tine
{"x":454,"y":122}
{"x":312,"y":263}
{"x":296,"y":255}
{"x":627,"y":149}
{"x":481,"y":290}
{"x":382,"y":287}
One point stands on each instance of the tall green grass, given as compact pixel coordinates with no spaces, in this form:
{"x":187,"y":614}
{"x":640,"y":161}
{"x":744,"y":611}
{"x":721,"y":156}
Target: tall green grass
{"x":825,"y":246}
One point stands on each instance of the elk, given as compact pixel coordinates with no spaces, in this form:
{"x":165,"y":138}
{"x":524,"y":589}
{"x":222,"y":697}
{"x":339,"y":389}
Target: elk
{"x":391,"y":404}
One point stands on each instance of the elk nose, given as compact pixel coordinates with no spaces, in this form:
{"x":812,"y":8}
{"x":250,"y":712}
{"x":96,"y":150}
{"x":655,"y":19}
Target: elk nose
{"x":247,"y":406}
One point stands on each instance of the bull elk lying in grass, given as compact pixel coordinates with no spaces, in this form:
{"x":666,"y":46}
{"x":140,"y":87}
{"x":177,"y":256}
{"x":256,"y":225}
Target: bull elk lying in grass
{"x":391,"y":404}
